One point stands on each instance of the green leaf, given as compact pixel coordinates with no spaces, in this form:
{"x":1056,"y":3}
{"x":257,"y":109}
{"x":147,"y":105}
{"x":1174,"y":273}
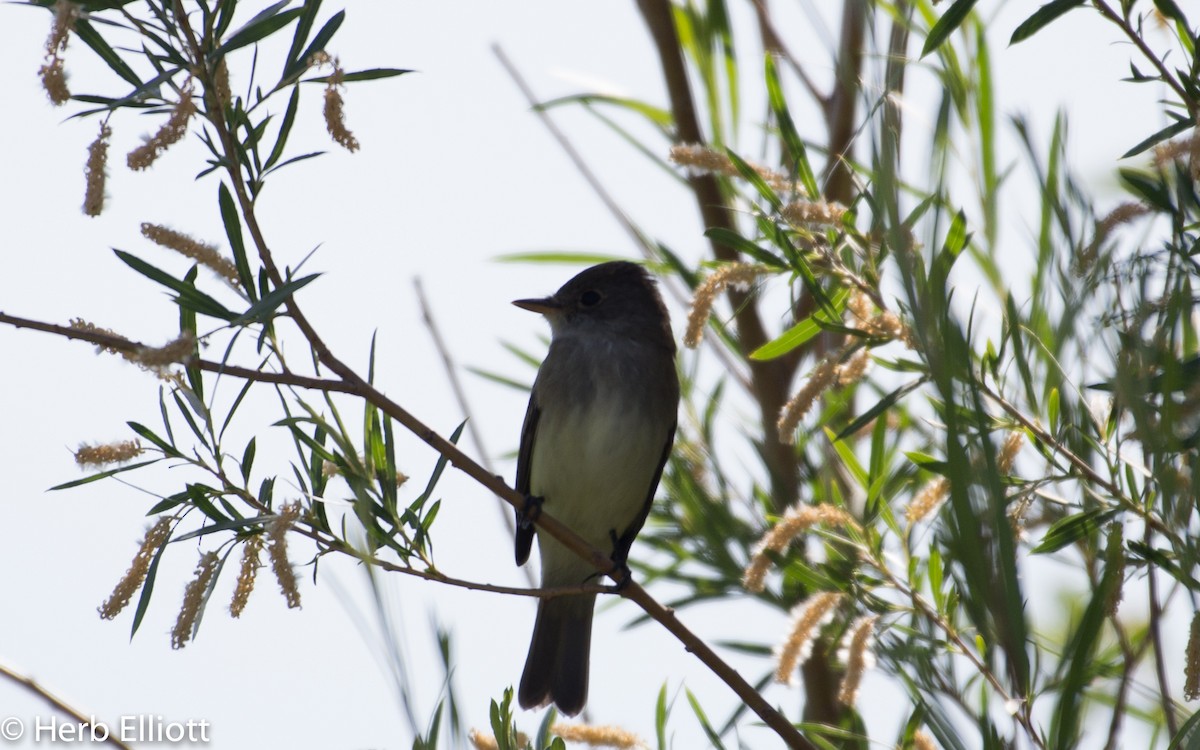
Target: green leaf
{"x":557,"y":256}
{"x":233,"y":231}
{"x":849,"y":460}
{"x":1149,"y":187}
{"x":787,"y":129}
{"x":1180,"y":126}
{"x":295,"y":63}
{"x":162,"y":445}
{"x":1169,"y":9}
{"x":260,"y":311}
{"x":883,"y":405}
{"x":660,"y":717}
{"x":732,"y":239}
{"x":102,"y":475}
{"x":93,"y":39}
{"x":324,"y":36}
{"x":248,"y":459}
{"x":803,"y":331}
{"x":188,"y":295}
{"x":751,"y":175}
{"x":713,"y":738}
{"x":1041,"y":17}
{"x":438,"y":468}
{"x":927,"y":462}
{"x":370,"y":74}
{"x":956,"y":240}
{"x":1188,"y":737}
{"x":1073,"y":528}
{"x":228,"y":525}
{"x":147,"y":588}
{"x":285,"y":129}
{"x":258,"y":28}
{"x":657,"y":115}
{"x":945,"y":26}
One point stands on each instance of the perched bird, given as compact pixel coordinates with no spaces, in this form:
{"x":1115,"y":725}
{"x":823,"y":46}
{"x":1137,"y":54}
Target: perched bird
{"x":597,"y":433}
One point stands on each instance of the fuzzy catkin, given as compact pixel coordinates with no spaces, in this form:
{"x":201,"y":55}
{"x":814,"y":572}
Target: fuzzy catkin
{"x":136,"y":575}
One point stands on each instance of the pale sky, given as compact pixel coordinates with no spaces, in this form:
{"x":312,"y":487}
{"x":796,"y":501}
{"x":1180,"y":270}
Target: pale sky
{"x":453,"y":172}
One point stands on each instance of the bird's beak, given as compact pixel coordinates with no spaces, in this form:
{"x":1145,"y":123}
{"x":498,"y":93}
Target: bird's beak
{"x":544,"y":306}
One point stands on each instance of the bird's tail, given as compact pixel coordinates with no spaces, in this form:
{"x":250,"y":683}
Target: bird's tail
{"x":556,"y":670}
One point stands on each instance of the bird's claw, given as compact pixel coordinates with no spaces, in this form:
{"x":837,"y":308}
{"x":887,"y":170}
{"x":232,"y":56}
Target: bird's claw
{"x":529,"y":514}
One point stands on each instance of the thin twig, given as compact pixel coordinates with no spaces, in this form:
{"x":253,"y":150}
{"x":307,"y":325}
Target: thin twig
{"x":1082,"y":466}
{"x":1155,"y":625}
{"x":1140,"y":43}
{"x":1022,"y":715}
{"x":32,"y":686}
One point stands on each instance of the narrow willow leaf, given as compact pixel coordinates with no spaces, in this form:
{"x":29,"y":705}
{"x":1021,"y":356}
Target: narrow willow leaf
{"x":656,"y":115}
{"x":102,"y":475}
{"x":1169,"y":9}
{"x":804,"y":331}
{"x":750,"y":175}
{"x":162,"y":445}
{"x":226,"y":525}
{"x":733,"y":240}
{"x":92,"y":38}
{"x":308,"y":17}
{"x":787,"y":129}
{"x":557,"y":256}
{"x":849,"y":459}
{"x":1153,"y":190}
{"x":1188,"y":737}
{"x":1071,"y":529}
{"x":261,"y":310}
{"x":147,"y":588}
{"x":322,"y":38}
{"x":1041,"y":17}
{"x":188,"y":295}
{"x":713,"y":738}
{"x":945,"y":26}
{"x":258,"y":28}
{"x":285,"y":129}
{"x":660,"y":717}
{"x":233,"y":231}
{"x":883,"y":405}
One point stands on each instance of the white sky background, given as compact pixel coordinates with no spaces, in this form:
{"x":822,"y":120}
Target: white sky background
{"x":453,"y":172}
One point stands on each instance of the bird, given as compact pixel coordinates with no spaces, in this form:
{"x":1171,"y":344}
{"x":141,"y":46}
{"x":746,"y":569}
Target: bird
{"x":597,"y":433}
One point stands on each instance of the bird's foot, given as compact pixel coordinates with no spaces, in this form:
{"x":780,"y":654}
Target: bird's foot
{"x":529,"y":514}
{"x":621,"y":567}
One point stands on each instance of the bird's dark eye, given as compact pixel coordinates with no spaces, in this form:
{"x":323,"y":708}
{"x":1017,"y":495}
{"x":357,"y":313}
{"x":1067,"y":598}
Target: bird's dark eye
{"x":590,"y":298}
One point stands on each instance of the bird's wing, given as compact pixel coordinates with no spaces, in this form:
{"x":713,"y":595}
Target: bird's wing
{"x":524,"y":534}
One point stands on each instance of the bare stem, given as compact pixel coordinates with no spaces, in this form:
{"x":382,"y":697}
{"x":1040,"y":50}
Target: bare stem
{"x":32,"y":686}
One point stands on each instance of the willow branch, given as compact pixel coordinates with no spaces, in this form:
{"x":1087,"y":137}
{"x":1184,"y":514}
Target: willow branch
{"x":1140,"y":43}
{"x":32,"y":686}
